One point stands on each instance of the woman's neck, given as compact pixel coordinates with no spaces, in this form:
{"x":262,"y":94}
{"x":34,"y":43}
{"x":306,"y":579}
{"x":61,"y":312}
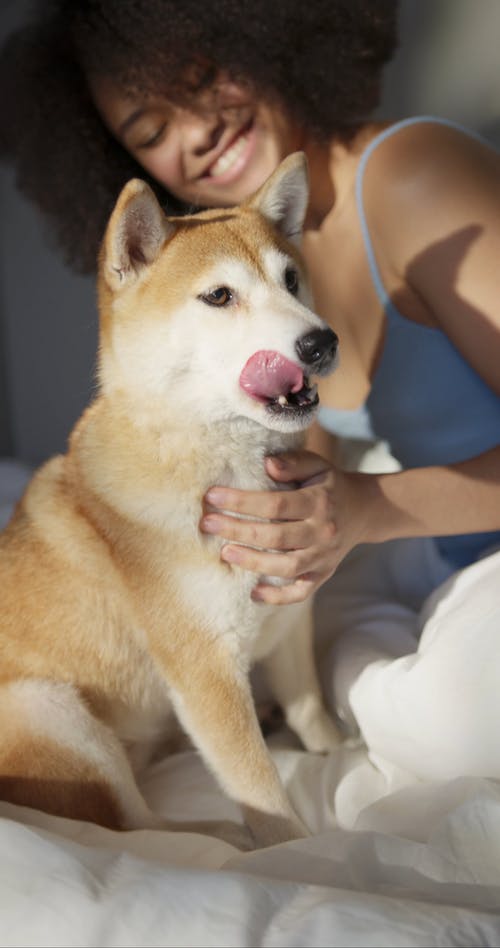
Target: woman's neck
{"x":332,"y":172}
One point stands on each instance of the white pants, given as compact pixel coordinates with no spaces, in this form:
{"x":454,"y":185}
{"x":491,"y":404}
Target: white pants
{"x":409,"y":652}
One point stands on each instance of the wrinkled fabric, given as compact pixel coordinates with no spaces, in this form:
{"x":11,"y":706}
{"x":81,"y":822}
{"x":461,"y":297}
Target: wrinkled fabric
{"x":419,"y":866}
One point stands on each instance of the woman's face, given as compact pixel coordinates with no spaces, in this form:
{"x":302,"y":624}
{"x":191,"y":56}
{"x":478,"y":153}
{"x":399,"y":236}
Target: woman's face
{"x":213,"y":154}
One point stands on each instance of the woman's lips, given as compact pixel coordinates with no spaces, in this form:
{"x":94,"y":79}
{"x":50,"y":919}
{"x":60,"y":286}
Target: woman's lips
{"x":229,"y":157}
{"x":233,"y":159}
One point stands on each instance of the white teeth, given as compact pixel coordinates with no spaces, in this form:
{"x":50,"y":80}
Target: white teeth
{"x":282,"y":400}
{"x":228,"y":158}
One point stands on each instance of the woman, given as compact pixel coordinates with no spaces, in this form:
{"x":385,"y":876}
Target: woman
{"x":402,"y":241}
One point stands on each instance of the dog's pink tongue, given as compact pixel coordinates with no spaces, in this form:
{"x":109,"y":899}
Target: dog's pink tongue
{"x":268,"y":374}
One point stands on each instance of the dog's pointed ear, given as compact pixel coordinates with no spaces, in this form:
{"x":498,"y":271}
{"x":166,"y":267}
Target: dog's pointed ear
{"x":284,"y":196}
{"x":136,"y":232}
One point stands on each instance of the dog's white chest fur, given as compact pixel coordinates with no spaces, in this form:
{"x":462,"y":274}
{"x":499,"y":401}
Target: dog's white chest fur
{"x":218,"y":594}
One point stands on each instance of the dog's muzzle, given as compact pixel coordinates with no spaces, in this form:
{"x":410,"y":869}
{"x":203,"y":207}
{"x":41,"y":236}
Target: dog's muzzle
{"x":283,"y":386}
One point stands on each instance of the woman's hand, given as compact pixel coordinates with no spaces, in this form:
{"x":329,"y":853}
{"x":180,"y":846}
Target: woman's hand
{"x":312,"y":527}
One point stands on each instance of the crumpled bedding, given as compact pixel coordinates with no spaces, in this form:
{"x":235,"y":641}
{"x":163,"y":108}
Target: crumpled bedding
{"x":392,"y":861}
{"x":419,"y":866}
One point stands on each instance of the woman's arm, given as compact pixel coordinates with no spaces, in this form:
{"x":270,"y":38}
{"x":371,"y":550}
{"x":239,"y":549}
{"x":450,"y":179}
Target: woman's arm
{"x":433,"y":198}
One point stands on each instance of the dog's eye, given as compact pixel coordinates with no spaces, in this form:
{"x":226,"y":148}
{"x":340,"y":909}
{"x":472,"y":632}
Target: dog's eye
{"x":292,"y":280}
{"x":218,"y":297}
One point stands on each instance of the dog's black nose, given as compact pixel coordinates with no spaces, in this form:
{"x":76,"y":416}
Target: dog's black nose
{"x":317,"y":348}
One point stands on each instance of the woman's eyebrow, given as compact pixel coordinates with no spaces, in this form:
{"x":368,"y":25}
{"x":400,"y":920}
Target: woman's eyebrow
{"x":136,"y":114}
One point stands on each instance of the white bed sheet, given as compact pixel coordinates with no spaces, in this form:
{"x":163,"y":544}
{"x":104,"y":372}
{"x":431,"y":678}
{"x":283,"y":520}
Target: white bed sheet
{"x":392,"y":862}
{"x":419,"y":866}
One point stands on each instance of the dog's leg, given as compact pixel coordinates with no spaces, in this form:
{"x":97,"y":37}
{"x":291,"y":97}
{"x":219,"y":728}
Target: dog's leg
{"x":213,"y":700}
{"x":57,"y":757}
{"x":293,"y":680}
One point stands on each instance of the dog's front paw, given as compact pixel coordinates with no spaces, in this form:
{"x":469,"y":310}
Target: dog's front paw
{"x":236,"y":834}
{"x":270,"y":829}
{"x":321,"y":734}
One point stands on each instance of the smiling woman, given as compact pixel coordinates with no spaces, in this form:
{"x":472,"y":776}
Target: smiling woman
{"x":110,"y":90}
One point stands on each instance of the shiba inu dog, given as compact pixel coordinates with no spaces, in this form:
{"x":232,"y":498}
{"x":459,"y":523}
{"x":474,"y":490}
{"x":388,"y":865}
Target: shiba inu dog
{"x":118,"y":615}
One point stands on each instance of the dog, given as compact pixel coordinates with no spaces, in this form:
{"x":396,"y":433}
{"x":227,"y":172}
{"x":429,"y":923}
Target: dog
{"x":119,"y":617}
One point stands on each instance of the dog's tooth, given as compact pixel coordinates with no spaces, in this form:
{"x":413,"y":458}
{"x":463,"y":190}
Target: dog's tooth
{"x":283,"y":400}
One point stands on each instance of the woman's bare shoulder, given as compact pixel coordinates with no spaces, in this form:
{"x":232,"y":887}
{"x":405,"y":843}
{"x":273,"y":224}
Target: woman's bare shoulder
{"x":429,"y":155}
{"x":426,"y":180}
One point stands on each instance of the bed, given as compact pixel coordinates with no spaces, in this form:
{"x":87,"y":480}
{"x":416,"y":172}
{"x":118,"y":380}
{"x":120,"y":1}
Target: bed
{"x":392,"y":860}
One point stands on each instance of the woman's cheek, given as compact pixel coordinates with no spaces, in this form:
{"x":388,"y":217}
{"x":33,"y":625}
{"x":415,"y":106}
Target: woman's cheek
{"x":162,"y":165}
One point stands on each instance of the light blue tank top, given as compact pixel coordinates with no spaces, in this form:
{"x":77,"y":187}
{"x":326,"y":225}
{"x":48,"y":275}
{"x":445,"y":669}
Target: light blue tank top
{"x":426,"y":401}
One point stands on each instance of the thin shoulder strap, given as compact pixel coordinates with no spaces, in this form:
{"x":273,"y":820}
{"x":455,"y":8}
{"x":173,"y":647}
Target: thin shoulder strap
{"x":387,"y":133}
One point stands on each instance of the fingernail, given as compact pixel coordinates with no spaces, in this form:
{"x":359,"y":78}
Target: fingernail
{"x":278,"y":462}
{"x":256,"y":595}
{"x":210,"y":524}
{"x":230,"y":554}
{"x":215,"y":496}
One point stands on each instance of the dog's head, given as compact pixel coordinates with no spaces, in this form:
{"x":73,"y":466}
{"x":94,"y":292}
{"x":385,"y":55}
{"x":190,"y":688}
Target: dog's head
{"x":208,"y":316}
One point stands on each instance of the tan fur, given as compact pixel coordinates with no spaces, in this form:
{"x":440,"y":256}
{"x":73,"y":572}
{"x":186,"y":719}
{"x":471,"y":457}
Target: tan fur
{"x":117,"y":614}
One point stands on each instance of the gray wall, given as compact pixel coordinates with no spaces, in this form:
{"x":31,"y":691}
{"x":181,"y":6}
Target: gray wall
{"x":48,"y":324}
{"x":448,"y":64}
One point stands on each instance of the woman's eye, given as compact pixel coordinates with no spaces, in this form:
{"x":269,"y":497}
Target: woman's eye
{"x":292,"y":280}
{"x":218,"y":297}
{"x":153,"y":139}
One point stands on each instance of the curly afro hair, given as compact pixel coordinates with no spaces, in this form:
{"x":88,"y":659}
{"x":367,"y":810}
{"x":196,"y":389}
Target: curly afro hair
{"x":321,"y":61}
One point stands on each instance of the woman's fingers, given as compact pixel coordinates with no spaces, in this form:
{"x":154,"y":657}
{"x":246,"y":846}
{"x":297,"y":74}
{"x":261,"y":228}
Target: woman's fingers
{"x":285,"y":595}
{"x":298,"y":466}
{"x":265,"y":505}
{"x":288,"y":566}
{"x":291,"y":565}
{"x":292,"y":535}
{"x":283,"y":535}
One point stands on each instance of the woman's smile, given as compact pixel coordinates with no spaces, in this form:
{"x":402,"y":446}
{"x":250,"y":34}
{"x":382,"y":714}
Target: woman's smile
{"x":233,"y":158}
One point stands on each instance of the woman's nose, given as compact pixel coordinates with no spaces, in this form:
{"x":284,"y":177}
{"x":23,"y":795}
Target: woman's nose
{"x":200,"y":131}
